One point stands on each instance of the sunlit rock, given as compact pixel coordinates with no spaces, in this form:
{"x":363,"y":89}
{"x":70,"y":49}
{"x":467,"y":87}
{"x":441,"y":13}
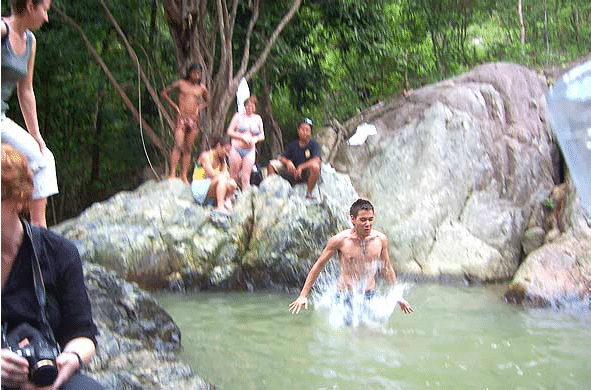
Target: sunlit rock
{"x":159,"y":237}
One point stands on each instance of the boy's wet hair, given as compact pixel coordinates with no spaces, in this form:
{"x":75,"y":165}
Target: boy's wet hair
{"x":360,"y":204}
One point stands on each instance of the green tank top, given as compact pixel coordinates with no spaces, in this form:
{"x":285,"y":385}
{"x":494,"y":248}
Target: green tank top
{"x":14,"y":67}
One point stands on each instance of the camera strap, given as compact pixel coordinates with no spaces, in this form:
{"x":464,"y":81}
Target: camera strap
{"x":40,"y":285}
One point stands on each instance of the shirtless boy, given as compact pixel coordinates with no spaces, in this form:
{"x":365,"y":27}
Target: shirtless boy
{"x":193,"y":97}
{"x":362,"y":253}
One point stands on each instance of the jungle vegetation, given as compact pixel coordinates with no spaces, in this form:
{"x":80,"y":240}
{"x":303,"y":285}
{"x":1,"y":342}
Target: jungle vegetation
{"x":101,"y":64}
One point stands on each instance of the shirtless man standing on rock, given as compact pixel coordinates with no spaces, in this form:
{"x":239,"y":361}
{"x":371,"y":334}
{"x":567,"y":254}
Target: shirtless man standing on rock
{"x":191,"y":93}
{"x":362,"y":253}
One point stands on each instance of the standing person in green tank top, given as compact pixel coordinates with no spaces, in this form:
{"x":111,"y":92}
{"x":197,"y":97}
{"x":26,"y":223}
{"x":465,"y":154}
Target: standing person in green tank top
{"x":18,"y":61}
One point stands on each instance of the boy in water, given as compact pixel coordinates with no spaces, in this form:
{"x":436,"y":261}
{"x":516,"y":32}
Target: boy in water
{"x":193,"y":97}
{"x":362,"y":253}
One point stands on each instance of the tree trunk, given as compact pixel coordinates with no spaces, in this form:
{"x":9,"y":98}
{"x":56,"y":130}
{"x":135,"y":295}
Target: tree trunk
{"x":136,"y":115}
{"x":199,"y":31}
{"x":274,"y":134}
{"x":546,"y":32}
{"x":521,"y":23}
{"x":96,"y":149}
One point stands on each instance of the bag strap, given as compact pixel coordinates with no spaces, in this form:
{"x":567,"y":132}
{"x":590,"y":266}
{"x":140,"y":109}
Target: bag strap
{"x":5,"y":37}
{"x":38,"y":282}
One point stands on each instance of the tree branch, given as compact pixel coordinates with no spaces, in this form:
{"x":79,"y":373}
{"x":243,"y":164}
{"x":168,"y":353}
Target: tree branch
{"x":251,"y":23}
{"x":135,"y":59}
{"x":263,"y":57}
{"x":150,"y":132}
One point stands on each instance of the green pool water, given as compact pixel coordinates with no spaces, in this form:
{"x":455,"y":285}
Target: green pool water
{"x":458,"y":338}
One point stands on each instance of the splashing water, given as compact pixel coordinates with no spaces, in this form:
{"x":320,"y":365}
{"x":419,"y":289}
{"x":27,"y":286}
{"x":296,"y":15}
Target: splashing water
{"x":357,"y":308}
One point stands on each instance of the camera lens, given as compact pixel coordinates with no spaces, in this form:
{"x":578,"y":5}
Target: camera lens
{"x":43,"y":373}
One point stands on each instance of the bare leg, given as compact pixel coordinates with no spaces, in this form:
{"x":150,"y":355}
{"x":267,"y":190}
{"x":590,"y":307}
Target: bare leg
{"x":314,"y":174}
{"x":220,"y":193}
{"x":175,"y":156}
{"x":179,"y":141}
{"x":188,"y":146}
{"x":270,"y":170}
{"x":235,"y":164}
{"x":230,"y":188}
{"x":247,"y":164}
{"x":217,"y":190}
{"x":212,"y":191}
{"x":37,"y":211}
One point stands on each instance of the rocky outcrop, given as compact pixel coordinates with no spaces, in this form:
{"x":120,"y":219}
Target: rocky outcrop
{"x":557,"y":270}
{"x":557,"y":274}
{"x":138,"y":340}
{"x":467,"y":179}
{"x":456,"y":170}
{"x":159,"y":237}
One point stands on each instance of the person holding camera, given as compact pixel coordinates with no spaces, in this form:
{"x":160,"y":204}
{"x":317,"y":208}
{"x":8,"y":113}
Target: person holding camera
{"x":48,"y":333}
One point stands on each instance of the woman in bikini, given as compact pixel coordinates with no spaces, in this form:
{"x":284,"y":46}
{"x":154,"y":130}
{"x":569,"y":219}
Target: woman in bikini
{"x":245,"y":130}
{"x":212,"y":183}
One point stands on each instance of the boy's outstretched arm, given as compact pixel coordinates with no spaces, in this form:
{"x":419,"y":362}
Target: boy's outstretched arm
{"x":326,"y":254}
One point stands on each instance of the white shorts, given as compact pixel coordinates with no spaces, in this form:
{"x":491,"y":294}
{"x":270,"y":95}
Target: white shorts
{"x":42,"y":164}
{"x":200,"y":188}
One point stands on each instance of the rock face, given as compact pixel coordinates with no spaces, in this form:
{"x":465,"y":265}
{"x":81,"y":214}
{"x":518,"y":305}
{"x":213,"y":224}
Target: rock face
{"x":456,"y":170}
{"x":159,"y":237}
{"x":558,"y":272}
{"x":138,"y":340}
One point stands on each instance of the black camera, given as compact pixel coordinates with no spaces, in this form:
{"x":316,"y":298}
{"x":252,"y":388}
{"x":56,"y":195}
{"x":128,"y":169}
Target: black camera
{"x":39,"y":353}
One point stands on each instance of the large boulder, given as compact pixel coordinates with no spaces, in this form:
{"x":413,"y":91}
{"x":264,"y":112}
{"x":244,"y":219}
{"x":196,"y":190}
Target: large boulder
{"x":558,"y":272}
{"x":455,"y":171}
{"x":138,"y":340}
{"x":159,"y":237}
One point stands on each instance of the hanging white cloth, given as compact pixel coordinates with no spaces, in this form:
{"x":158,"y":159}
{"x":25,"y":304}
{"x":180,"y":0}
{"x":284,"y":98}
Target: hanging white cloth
{"x":569,"y":109}
{"x":242,"y":94}
{"x":363,"y":131}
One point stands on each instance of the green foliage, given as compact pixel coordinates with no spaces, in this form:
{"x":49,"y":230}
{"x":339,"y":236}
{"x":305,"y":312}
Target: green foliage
{"x":334,"y":59}
{"x":96,"y":143}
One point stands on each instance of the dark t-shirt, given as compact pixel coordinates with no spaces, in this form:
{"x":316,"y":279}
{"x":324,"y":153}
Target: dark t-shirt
{"x":299,"y":155}
{"x":68,"y":307}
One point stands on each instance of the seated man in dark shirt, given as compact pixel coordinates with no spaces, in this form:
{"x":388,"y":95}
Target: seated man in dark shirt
{"x":301,"y":160}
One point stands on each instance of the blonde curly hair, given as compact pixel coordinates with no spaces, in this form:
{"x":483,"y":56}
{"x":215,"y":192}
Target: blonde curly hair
{"x":17,"y":177}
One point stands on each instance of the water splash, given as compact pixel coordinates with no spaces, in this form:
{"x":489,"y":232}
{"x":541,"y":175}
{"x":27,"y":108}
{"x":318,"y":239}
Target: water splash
{"x":355,"y":308}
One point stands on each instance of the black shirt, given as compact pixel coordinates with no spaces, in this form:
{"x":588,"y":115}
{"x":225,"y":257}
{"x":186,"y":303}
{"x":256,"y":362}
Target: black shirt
{"x":299,"y":155}
{"x":68,"y":307}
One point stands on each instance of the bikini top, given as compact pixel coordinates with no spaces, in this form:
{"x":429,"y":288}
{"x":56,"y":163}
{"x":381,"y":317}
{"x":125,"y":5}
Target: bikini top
{"x":244,"y":127}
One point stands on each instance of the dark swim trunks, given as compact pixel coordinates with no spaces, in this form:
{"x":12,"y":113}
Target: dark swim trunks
{"x":346,"y":298}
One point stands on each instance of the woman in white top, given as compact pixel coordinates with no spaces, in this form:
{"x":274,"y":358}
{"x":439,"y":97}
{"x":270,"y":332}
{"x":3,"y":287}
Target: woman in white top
{"x":245,"y":130}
